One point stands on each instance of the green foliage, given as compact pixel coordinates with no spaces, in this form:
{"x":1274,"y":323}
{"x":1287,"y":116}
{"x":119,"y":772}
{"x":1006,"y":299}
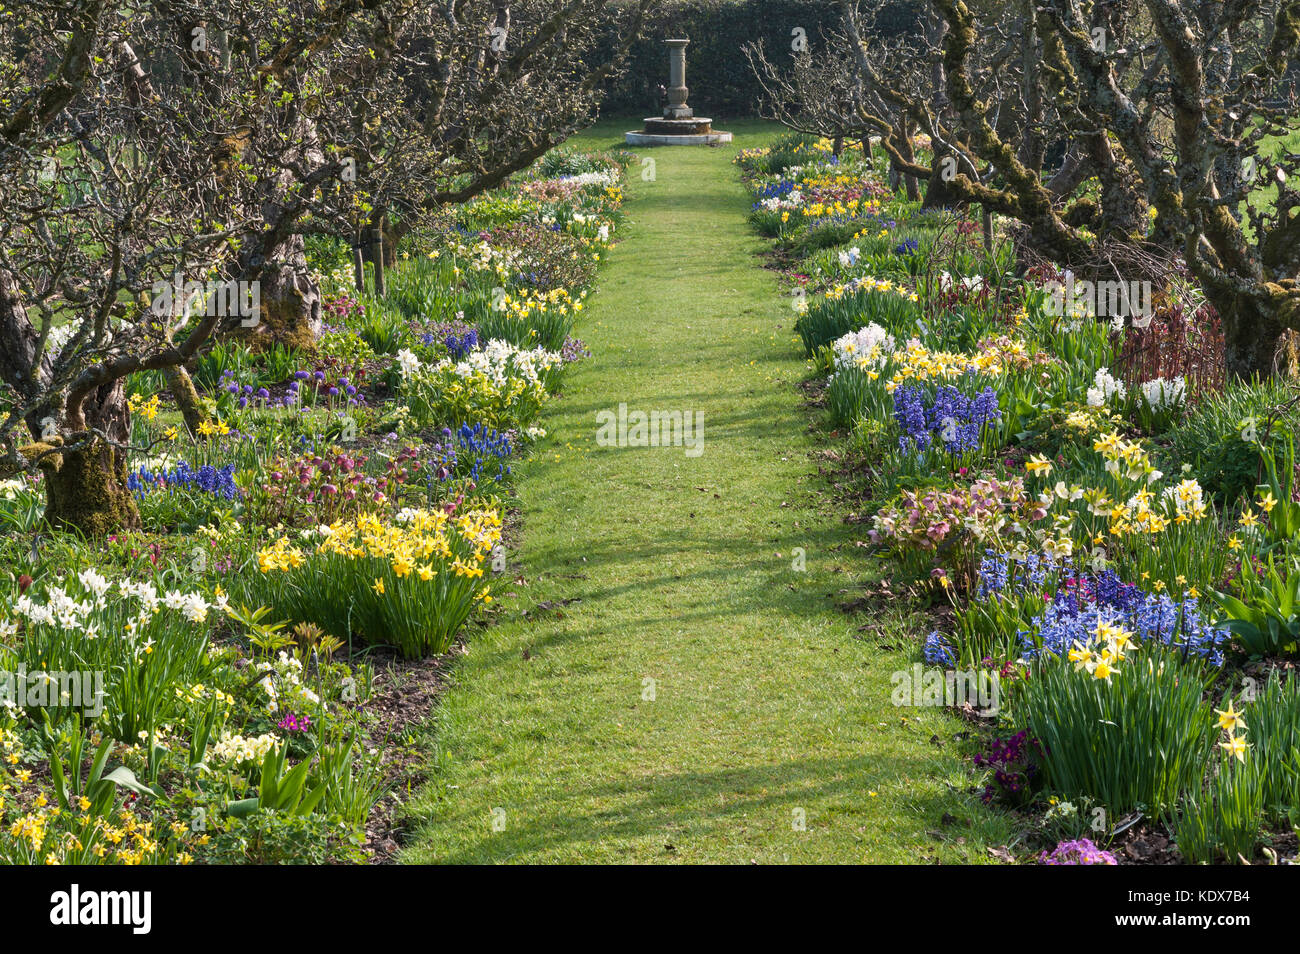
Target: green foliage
{"x":1265,"y":616}
{"x":1273,"y":727}
{"x":1221,"y":432}
{"x":1138,"y":739}
{"x":383,"y":328}
{"x":827,"y":318}
{"x":1222,"y":821}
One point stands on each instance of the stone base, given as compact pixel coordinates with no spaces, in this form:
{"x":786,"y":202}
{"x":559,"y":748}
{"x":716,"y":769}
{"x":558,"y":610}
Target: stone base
{"x":639,"y":138}
{"x":697,"y":131}
{"x":695,"y":126}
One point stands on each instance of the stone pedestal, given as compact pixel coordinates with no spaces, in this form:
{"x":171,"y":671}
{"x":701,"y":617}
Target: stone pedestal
{"x":677,"y":91}
{"x":679,"y":125}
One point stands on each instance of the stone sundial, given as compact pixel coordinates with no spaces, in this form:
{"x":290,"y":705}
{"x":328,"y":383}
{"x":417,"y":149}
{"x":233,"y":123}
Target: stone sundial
{"x":679,"y":126}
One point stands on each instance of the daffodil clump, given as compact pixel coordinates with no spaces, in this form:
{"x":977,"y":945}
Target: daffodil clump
{"x":49,"y":834}
{"x":532,"y":317}
{"x":1157,"y":532}
{"x":140,"y":640}
{"x":411,"y":582}
{"x":501,"y":386}
{"x":1122,"y":722}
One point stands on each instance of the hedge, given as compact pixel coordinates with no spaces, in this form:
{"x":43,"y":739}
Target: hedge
{"x":721,"y":82}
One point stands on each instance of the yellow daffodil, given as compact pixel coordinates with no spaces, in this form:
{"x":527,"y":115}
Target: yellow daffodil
{"x":1230,"y":719}
{"x":1039,"y":465}
{"x":1236,"y":746}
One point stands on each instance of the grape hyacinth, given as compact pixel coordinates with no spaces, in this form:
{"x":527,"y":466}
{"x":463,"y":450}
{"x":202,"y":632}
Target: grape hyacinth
{"x":218,"y":482}
{"x":956,"y":418}
{"x":476,"y":451}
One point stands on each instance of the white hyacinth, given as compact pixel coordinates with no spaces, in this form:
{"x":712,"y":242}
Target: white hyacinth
{"x":1105,"y":388}
{"x":1161,"y":393}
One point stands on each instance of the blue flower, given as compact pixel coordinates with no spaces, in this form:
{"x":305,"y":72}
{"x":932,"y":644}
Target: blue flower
{"x":939,"y":651}
{"x":218,"y":482}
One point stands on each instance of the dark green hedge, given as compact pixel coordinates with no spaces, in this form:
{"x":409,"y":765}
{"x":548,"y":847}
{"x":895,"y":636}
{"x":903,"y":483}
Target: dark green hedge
{"x":717,"y":73}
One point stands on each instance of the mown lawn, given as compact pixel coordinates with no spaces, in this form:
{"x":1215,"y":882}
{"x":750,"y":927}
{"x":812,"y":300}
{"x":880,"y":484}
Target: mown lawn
{"x":768,"y":734}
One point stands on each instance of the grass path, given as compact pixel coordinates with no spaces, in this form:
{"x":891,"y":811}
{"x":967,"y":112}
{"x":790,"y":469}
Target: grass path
{"x":766,"y":712}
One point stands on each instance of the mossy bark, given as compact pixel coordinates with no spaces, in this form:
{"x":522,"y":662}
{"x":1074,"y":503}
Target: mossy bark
{"x":85,"y":489}
{"x":186,"y":395}
{"x":290,"y":304}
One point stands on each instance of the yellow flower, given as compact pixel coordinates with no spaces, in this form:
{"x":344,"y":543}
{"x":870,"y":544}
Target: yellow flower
{"x":1038,"y":464}
{"x":378,"y":587}
{"x":1267,"y":502}
{"x":1236,"y":746}
{"x":1234,"y":542}
{"x":1248,"y":518}
{"x":1230,"y":719}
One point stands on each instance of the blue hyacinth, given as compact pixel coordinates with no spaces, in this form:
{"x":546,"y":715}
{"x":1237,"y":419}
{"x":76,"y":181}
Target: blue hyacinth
{"x":956,"y":418}
{"x":938,"y":651}
{"x":217,"y":481}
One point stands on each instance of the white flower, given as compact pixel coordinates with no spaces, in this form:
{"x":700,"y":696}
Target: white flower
{"x":1162,"y":393}
{"x":238,"y":748}
{"x":194,"y":608}
{"x":94,"y":582}
{"x":1105,"y":388}
{"x":408,"y":362}
{"x":864,"y":348}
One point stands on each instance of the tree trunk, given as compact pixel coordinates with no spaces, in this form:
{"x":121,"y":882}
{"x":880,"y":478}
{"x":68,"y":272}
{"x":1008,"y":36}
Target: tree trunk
{"x":377,"y":254}
{"x":910,"y":184}
{"x":938,"y":193}
{"x":290,"y":313}
{"x":1250,"y":335}
{"x":359,"y":260}
{"x":85,"y":489}
{"x":186,"y":396}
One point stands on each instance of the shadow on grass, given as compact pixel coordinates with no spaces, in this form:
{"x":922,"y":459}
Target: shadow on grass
{"x":683,"y":806}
